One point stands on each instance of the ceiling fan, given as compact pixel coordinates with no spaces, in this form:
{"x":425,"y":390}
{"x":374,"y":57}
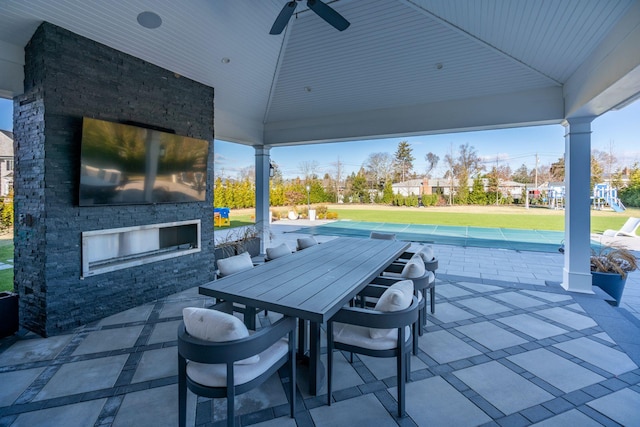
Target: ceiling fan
{"x":321,"y":9}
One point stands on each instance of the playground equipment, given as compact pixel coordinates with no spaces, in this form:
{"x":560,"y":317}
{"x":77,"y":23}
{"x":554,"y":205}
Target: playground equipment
{"x":556,"y":197}
{"x":221,"y":217}
{"x":605,"y":195}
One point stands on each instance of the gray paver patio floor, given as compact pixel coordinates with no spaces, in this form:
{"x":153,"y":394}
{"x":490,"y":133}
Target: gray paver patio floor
{"x":498,"y":351}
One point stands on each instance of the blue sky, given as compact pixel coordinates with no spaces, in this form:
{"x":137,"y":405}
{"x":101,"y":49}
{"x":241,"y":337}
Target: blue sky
{"x":514,"y":146}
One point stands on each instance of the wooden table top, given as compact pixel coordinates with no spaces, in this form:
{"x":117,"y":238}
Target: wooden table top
{"x":313,"y":283}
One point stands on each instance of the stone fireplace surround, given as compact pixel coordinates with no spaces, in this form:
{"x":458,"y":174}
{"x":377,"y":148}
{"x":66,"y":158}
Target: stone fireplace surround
{"x":68,"y":77}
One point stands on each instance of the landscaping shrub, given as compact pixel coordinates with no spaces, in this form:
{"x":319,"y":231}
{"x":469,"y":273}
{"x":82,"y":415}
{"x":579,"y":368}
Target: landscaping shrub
{"x":6,"y":219}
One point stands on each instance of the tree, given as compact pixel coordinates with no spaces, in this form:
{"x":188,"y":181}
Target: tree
{"x":379,"y":167}
{"x":247,"y":173}
{"x":556,"y":170}
{"x":432,"y":161}
{"x":309,"y":169}
{"x":630,"y":195}
{"x":478,"y":195}
{"x":596,"y":171}
{"x":359,"y":187}
{"x":403,"y":162}
{"x":467,"y":164}
{"x":522,"y":175}
{"x":387,"y":193}
{"x":606,"y":160}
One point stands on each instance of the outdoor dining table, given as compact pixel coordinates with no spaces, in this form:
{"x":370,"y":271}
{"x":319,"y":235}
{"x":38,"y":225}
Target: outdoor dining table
{"x":311,"y":285}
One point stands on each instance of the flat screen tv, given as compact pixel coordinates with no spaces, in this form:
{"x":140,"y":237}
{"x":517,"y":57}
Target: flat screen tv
{"x":123,"y":164}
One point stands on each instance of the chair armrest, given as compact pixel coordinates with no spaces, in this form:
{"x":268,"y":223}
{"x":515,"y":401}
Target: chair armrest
{"x":378,"y":319}
{"x":203,"y":351}
{"x":431,"y":265}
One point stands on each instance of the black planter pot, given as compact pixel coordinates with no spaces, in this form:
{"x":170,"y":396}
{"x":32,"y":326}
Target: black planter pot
{"x":8,"y":314}
{"x":611,"y":283}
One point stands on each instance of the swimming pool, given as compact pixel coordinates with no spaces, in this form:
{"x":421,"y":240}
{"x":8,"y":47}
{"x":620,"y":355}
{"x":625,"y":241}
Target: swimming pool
{"x":505,"y":238}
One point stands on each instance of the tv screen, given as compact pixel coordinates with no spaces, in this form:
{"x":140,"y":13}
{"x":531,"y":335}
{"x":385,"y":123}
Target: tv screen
{"x":123,"y":165}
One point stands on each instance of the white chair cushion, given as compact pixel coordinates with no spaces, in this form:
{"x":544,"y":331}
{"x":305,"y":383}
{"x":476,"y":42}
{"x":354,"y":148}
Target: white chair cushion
{"x":413,"y":269}
{"x":215,"y":326}
{"x":360,"y":336}
{"x":396,"y":298}
{"x":235,"y":264}
{"x":215,"y":375}
{"x":306,"y":242}
{"x":278,"y":251}
{"x":426,"y":253}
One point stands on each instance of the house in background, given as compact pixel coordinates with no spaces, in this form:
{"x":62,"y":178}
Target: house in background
{"x":6,"y":162}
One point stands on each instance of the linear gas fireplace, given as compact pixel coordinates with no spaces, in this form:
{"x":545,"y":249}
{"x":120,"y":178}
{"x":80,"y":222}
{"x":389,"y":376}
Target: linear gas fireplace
{"x":117,"y":248}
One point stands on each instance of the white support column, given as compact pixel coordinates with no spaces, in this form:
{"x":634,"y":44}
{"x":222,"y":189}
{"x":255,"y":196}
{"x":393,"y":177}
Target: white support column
{"x":576,"y":275}
{"x":262,"y":196}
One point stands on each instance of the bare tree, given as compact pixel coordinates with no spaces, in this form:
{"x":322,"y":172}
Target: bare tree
{"x":432,"y":161}
{"x":451,"y":163}
{"x":247,"y":173}
{"x":607,"y":160}
{"x":309,"y":169}
{"x":379,"y":168}
{"x":466,"y":165}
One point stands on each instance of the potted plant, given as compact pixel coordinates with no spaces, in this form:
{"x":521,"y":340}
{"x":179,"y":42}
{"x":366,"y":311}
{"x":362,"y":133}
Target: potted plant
{"x":609,"y":268}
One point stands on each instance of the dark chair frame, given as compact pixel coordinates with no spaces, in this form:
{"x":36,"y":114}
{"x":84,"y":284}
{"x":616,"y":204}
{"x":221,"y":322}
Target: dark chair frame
{"x":376,"y":319}
{"x":228,"y":352}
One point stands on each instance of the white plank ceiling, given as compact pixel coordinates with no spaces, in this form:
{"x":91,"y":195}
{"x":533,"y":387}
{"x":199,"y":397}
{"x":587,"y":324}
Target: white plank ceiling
{"x":403,"y":66}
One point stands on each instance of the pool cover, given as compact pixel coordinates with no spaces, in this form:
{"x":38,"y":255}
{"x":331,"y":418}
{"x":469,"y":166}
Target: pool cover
{"x":505,"y":238}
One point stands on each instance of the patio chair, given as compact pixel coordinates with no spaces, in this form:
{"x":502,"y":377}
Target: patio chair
{"x":236,"y":264}
{"x":277,"y":252}
{"x":218,"y":358}
{"x":306,"y":242}
{"x":628,"y":229}
{"x":422,"y":278}
{"x":382,"y":236}
{"x":430,"y":264}
{"x":384,"y":331}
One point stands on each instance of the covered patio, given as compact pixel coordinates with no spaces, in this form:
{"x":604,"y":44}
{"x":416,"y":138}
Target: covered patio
{"x":507,"y":346}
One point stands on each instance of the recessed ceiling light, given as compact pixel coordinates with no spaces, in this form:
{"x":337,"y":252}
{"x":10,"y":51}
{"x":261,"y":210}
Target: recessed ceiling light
{"x":149,"y":20}
{"x":225,"y":60}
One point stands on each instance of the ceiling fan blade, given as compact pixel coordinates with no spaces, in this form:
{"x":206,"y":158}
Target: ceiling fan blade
{"x":328,"y":14}
{"x":283,"y":18}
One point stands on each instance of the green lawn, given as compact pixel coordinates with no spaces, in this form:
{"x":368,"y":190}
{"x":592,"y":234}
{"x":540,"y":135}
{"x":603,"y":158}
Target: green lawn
{"x":6,"y":276}
{"x":535,"y":219}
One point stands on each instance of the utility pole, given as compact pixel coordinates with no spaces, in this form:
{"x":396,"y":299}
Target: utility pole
{"x":536,"y":172}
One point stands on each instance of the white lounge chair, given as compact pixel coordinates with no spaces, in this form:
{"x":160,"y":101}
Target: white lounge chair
{"x":628,"y":229}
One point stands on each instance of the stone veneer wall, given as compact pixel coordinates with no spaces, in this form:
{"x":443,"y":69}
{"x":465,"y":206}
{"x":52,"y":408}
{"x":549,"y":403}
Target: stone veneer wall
{"x":68,"y":77}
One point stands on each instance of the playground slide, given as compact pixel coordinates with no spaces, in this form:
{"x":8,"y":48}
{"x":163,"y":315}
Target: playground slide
{"x":616,"y":205}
